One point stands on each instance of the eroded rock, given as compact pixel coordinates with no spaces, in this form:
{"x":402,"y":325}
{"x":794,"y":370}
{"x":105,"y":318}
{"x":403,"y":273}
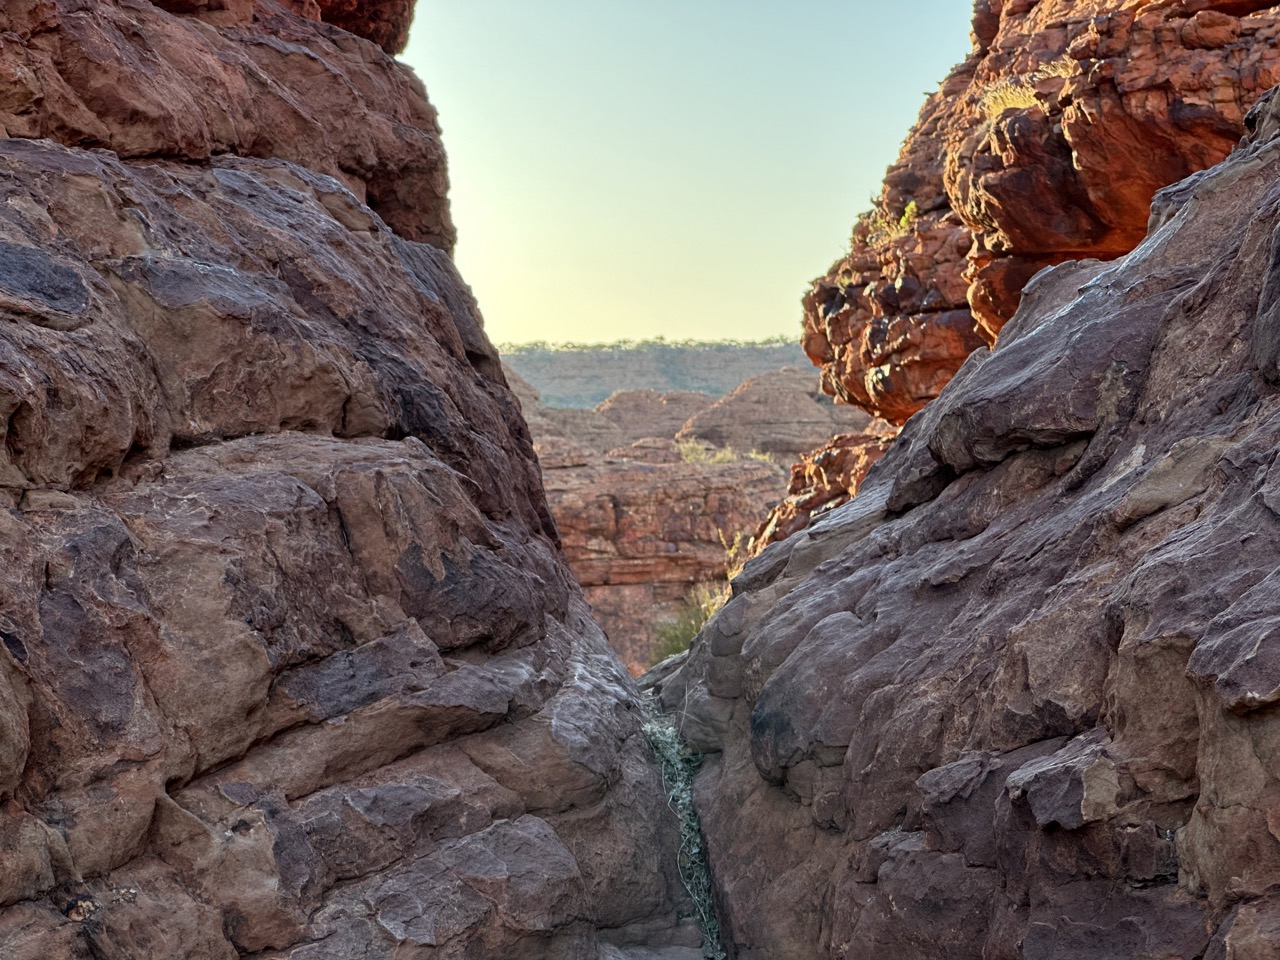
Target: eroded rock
{"x":1022,"y":686}
{"x":285,"y":622}
{"x":1046,"y":144}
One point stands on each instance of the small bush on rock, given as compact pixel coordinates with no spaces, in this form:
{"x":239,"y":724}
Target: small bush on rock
{"x":701,"y":604}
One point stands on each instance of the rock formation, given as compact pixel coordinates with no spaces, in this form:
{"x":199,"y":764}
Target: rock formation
{"x":783,"y":413}
{"x":641,"y":524}
{"x":649,"y":413}
{"x":820,"y":481}
{"x":1045,"y":145}
{"x":639,"y":534}
{"x":292,"y":666}
{"x":1019,"y":698}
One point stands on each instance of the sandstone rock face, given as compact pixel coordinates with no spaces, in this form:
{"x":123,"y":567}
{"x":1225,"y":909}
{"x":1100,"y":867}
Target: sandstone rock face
{"x":292,"y":667}
{"x":640,"y":529}
{"x":783,"y":413}
{"x":648,"y":413}
{"x":1045,"y":145}
{"x":385,"y":22}
{"x":639,"y":524}
{"x":1018,"y":699}
{"x":822,"y":480}
{"x":240,"y":78}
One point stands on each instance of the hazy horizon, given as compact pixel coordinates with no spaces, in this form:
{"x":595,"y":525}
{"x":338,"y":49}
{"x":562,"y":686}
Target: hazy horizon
{"x":629,"y":172}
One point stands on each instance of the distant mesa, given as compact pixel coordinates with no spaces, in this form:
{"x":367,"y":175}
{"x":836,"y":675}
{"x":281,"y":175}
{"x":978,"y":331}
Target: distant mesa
{"x":586,"y":374}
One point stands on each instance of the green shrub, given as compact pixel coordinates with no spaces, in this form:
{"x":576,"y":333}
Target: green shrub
{"x":679,"y":765}
{"x":882,"y":226}
{"x":700,"y":605}
{"x":695,"y":451}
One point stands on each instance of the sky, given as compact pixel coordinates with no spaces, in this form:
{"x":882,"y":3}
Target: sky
{"x":629,"y":169}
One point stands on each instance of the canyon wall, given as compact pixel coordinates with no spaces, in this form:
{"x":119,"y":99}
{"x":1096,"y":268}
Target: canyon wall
{"x":1045,"y":145}
{"x":292,"y":665}
{"x":644,"y":520}
{"x":1018,"y":699}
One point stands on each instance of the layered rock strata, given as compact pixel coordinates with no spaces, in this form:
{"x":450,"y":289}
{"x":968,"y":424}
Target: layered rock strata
{"x":641,"y":525}
{"x":822,"y":480}
{"x":1018,"y":699}
{"x":641,"y":530}
{"x":1045,"y":145}
{"x":782,"y":413}
{"x":292,"y":665}
{"x":650,"y":413}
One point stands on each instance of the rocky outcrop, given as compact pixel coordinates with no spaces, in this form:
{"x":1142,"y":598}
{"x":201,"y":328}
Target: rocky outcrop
{"x":641,"y":530}
{"x":822,"y":480}
{"x":292,"y":666}
{"x":1018,"y":699}
{"x":563,"y":437}
{"x":385,"y":22}
{"x":640,"y":524}
{"x":1045,"y":145}
{"x":648,"y":413}
{"x":782,"y":413}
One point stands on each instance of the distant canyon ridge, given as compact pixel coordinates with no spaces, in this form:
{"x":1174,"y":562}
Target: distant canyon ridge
{"x":657,"y":493}
{"x":582,"y":375}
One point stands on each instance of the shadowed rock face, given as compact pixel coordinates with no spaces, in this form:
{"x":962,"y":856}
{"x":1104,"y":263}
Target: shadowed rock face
{"x":1045,"y":145}
{"x":291,"y":664}
{"x":1018,"y":699}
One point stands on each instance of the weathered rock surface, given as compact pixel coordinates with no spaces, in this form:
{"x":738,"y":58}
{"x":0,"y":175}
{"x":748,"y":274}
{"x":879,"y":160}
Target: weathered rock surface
{"x":1018,"y":699}
{"x":783,"y":413}
{"x":237,"y":77}
{"x":563,"y":437}
{"x":292,"y":667}
{"x":385,"y":22}
{"x":639,"y":524}
{"x":641,"y":528}
{"x":1045,"y":145}
{"x":822,"y":480}
{"x":649,"y":413}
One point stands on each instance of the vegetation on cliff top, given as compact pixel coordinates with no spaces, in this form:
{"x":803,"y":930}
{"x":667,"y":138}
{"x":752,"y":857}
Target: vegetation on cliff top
{"x":585,"y":374}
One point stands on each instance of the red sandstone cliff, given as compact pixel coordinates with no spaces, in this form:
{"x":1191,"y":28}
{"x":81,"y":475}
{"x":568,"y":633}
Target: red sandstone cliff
{"x":1045,"y":145}
{"x":640,"y":523}
{"x":292,"y":665}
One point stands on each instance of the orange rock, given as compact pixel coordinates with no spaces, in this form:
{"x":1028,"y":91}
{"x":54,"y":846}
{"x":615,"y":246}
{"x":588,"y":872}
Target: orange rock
{"x":1045,"y":145}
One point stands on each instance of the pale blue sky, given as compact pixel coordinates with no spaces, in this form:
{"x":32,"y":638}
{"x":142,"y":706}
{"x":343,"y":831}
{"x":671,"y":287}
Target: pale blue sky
{"x":668,"y":167}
